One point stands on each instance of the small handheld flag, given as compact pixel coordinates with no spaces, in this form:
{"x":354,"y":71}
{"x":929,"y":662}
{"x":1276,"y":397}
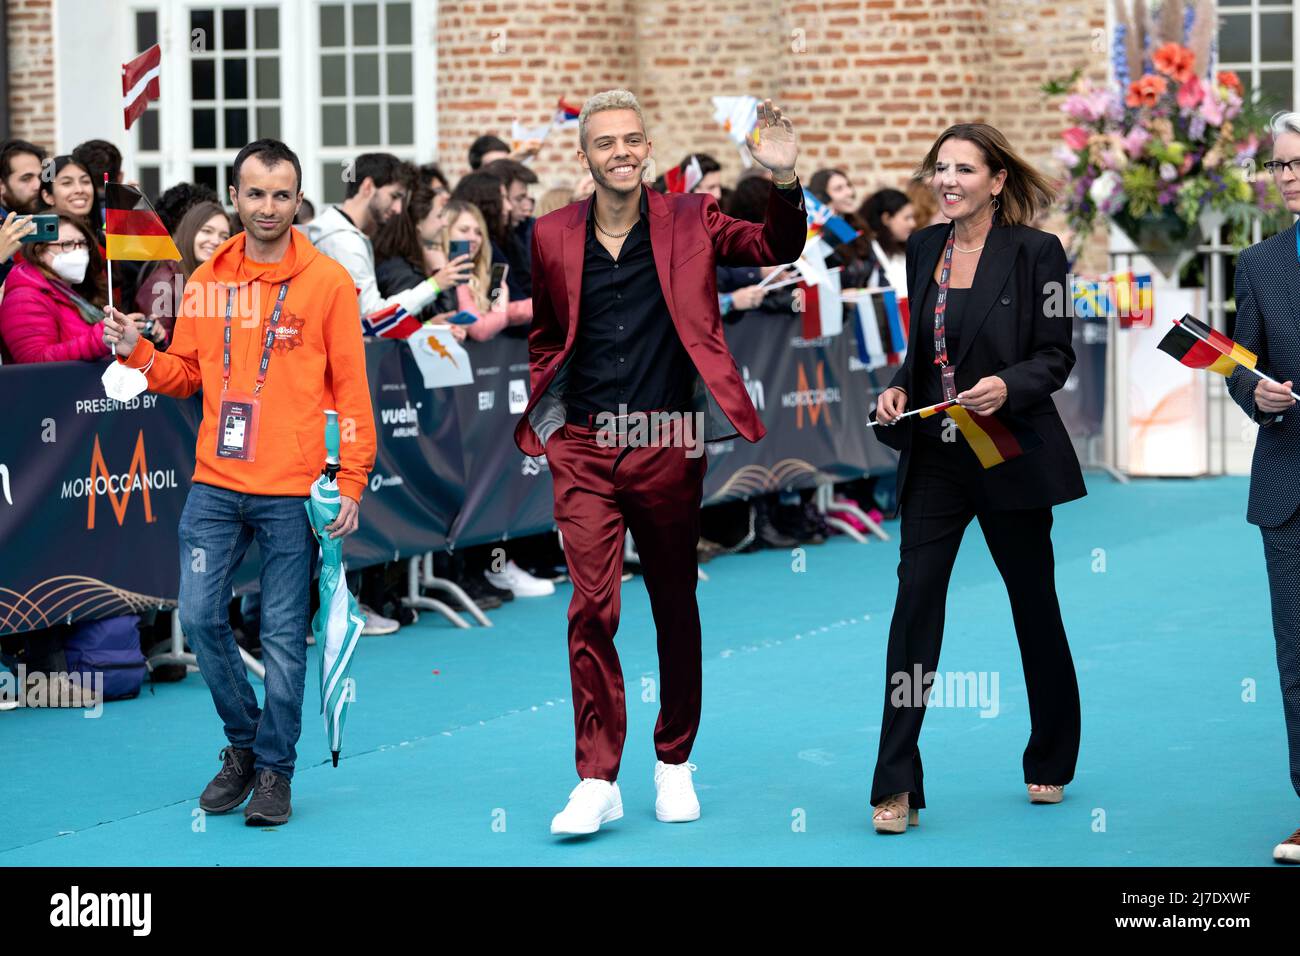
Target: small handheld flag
{"x":393,"y":322}
{"x":520,"y":134}
{"x":822,"y":220}
{"x":993,"y":440}
{"x":132,"y":229}
{"x":140,"y":83}
{"x":682,"y":179}
{"x":1197,"y":345}
{"x":566,"y":114}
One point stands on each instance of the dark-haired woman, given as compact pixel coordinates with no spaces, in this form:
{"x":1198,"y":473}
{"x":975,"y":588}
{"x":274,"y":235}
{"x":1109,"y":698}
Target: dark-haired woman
{"x":202,"y":228}
{"x":890,"y":221}
{"x":856,"y":263}
{"x":406,"y":252}
{"x":984,"y":332}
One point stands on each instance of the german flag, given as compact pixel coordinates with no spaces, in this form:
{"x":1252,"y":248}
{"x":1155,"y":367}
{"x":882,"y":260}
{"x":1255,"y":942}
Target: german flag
{"x":993,"y":440}
{"x":132,"y":229}
{"x":1197,"y":345}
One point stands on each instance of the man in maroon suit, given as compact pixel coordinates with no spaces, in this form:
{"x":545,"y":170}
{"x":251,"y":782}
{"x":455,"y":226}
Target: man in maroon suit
{"x":630,"y":374}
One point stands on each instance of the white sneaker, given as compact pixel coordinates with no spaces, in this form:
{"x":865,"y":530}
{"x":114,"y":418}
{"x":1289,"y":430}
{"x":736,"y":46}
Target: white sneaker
{"x":591,"y":803}
{"x":675,"y":800}
{"x":376,"y":623}
{"x":520,"y":582}
{"x":1288,"y":851}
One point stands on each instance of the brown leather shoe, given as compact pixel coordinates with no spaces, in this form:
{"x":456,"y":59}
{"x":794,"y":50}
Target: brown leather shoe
{"x":1288,"y":851}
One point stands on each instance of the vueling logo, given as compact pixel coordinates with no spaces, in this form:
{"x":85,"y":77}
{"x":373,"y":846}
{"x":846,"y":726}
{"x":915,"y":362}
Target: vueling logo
{"x":118,"y":487}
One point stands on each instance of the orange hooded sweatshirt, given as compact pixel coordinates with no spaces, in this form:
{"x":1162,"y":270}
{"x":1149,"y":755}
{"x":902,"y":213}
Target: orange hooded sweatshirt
{"x":317,"y":362}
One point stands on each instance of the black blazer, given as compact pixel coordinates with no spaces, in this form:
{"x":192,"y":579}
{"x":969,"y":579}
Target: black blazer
{"x":1009,"y":329}
{"x":1268,"y":319}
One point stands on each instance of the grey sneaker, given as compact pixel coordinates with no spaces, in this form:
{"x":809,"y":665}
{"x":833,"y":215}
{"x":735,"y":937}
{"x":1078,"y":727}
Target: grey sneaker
{"x":270,"y":804}
{"x":232,"y":784}
{"x":376,"y":623}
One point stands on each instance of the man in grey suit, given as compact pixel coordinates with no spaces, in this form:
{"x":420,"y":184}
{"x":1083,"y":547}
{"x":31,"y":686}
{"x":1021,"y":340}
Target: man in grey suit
{"x":1268,"y":324}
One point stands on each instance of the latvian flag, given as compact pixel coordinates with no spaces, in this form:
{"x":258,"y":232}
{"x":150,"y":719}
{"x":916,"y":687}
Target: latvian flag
{"x":393,"y":322}
{"x":140,"y":83}
{"x":882,"y":322}
{"x":132,"y":229}
{"x":993,"y":440}
{"x":566,"y":114}
{"x":1197,"y":345}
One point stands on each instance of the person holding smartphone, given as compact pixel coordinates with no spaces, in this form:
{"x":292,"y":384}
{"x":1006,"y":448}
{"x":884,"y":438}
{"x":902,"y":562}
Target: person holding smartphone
{"x":484,"y":294}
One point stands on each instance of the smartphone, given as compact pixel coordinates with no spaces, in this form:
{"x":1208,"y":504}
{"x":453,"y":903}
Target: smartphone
{"x":499,"y":271}
{"x":47,"y":229}
{"x":457,"y":247}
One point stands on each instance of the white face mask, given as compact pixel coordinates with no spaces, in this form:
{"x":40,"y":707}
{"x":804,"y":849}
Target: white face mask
{"x":71,"y":266}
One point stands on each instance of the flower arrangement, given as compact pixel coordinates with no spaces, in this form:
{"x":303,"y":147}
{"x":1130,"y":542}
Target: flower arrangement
{"x":1170,"y":144}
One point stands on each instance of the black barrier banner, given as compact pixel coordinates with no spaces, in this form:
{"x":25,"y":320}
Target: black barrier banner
{"x":814,"y":396}
{"x":508,"y":495}
{"x":91,"y":491}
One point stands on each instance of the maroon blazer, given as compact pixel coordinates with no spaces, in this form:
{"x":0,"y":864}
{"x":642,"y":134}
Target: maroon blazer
{"x":690,"y":237}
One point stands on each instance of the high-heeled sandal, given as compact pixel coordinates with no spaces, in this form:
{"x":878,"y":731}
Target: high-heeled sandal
{"x":903,"y":816}
{"x":1051,"y":792}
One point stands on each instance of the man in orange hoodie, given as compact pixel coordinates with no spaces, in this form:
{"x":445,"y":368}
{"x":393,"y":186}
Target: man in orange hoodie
{"x":269,"y":329}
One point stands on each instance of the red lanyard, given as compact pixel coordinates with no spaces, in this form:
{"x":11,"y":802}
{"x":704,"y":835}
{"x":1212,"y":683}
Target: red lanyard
{"x":947,"y":372}
{"x":266,"y":345}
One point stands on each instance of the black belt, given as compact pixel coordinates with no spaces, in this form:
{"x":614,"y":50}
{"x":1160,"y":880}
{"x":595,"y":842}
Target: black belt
{"x":590,"y":419}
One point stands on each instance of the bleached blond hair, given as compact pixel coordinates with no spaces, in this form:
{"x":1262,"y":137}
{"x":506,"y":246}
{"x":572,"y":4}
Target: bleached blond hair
{"x":608,"y":100}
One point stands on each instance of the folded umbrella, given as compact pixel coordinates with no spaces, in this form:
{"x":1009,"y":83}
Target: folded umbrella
{"x":338,"y":622}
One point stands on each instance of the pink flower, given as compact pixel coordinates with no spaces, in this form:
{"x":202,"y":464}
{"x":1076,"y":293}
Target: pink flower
{"x":1076,"y":138}
{"x":1212,"y":108}
{"x":1135,"y":141}
{"x":1089,"y":106}
{"x":1191,"y":93}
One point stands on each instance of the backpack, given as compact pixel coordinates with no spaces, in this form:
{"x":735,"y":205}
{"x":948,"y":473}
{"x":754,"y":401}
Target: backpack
{"x":110,"y":646}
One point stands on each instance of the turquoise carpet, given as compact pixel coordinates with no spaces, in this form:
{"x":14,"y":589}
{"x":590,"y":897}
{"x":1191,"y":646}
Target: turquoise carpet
{"x":459,"y":748}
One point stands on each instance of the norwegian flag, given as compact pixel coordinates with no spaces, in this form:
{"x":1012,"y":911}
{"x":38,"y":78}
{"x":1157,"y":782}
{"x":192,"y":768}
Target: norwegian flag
{"x":140,"y":83}
{"x":393,"y":322}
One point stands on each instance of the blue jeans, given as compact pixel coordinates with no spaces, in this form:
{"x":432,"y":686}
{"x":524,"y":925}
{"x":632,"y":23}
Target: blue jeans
{"x":215,"y":530}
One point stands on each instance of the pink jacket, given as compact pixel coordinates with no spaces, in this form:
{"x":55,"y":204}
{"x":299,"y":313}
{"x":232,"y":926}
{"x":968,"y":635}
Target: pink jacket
{"x":40,"y":323}
{"x":490,"y":323}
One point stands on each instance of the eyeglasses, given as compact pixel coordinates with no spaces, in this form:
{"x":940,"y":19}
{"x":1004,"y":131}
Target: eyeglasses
{"x":1276,"y":167}
{"x":71,"y":245}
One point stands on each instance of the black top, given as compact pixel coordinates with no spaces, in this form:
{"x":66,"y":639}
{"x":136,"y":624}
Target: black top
{"x":627,"y":351}
{"x":929,"y":380}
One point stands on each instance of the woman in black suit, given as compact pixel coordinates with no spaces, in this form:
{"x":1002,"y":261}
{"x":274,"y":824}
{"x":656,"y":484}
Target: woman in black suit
{"x":1003,"y":349}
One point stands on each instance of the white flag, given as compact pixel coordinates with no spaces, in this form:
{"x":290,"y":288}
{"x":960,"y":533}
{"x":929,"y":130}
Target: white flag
{"x":441,"y":358}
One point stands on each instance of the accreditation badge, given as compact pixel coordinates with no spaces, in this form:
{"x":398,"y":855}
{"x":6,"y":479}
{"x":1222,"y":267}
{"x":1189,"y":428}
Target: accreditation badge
{"x":237,"y":426}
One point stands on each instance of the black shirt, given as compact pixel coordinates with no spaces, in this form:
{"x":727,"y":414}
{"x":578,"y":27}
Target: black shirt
{"x":928,"y":379}
{"x":627,"y":350}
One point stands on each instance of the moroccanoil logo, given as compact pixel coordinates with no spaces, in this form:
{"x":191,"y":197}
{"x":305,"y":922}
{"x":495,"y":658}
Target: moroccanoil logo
{"x":118,"y":486}
{"x":815,"y":400}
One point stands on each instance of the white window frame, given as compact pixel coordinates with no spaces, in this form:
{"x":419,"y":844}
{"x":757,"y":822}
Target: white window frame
{"x":299,"y":84}
{"x":1249,"y":71}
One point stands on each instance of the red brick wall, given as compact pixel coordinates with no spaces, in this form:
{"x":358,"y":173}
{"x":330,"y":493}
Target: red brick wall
{"x":31,"y":70}
{"x":869,"y":83}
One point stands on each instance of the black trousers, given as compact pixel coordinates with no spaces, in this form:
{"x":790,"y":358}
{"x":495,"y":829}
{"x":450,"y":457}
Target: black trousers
{"x":1282,"y":556}
{"x":941,"y":497}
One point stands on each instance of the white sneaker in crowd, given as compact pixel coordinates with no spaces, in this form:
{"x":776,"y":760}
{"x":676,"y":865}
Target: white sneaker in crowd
{"x":376,"y":623}
{"x":520,"y":582}
{"x":591,"y":803}
{"x":675,"y":800}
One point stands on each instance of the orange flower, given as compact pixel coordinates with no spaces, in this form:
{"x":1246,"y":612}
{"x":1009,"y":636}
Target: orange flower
{"x":1231,"y":81}
{"x":1146,"y":91}
{"x":1175,"y":61}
